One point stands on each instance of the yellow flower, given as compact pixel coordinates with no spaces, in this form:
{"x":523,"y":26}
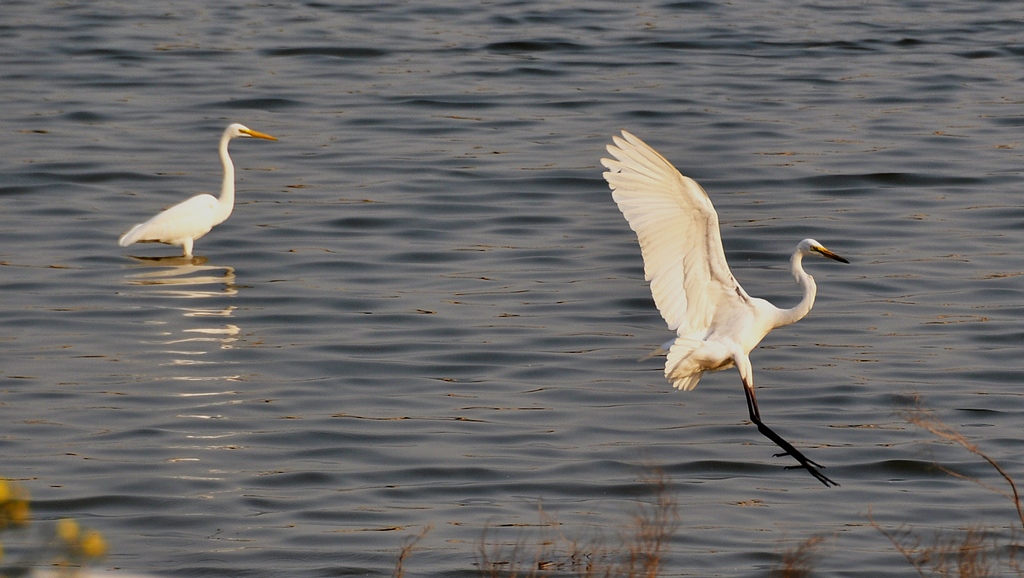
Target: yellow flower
{"x":93,"y":545}
{"x":18,"y":512}
{"x":68,"y":530}
{"x":5,"y":490}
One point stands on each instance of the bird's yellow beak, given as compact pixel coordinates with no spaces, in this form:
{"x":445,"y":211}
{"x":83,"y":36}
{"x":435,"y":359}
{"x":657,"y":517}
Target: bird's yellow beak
{"x":257,"y":134}
{"x":826,"y":253}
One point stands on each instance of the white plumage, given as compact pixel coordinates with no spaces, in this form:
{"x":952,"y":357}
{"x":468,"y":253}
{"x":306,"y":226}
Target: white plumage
{"x":717,"y":323}
{"x":187,"y":221}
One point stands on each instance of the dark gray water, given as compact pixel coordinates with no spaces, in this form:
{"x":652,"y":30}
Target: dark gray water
{"x":427,"y":310}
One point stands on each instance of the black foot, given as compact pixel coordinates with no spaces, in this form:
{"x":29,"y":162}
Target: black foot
{"x":789,"y":450}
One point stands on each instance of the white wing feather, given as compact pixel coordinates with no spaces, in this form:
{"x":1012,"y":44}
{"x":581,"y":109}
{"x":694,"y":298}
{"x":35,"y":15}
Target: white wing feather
{"x":679,"y":236}
{"x":677,"y":228}
{"x":192,"y":218}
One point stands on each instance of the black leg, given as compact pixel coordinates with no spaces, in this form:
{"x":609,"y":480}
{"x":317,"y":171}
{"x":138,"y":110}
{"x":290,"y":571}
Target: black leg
{"x":788,"y":449}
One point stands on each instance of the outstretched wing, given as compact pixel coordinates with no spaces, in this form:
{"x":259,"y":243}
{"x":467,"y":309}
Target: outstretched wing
{"x":677,"y":227}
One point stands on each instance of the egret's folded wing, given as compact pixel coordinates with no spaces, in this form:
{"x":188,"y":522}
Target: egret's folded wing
{"x":192,"y":218}
{"x":678,"y":231}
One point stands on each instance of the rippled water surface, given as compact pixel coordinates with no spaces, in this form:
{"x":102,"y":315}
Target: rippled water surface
{"x":426,"y":310}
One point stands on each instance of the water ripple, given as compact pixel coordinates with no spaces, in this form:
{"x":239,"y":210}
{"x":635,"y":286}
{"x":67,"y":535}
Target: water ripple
{"x":426,"y":309}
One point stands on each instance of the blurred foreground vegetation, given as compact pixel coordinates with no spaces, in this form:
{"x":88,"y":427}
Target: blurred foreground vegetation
{"x":63,"y":544}
{"x":974,"y":552}
{"x":637,"y":552}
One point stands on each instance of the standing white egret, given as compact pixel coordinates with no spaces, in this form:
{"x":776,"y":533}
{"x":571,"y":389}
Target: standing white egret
{"x":717,"y":324}
{"x":189,"y":220}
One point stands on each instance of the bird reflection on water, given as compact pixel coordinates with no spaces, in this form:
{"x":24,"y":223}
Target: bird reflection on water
{"x":179,"y":278}
{"x":185,"y":277}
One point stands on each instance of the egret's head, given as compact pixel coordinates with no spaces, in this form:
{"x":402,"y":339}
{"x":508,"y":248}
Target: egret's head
{"x":812,"y":247}
{"x":236,"y":130}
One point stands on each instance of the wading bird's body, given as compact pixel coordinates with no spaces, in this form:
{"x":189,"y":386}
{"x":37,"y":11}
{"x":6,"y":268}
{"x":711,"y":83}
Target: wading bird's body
{"x":187,"y":221}
{"x":717,"y":323}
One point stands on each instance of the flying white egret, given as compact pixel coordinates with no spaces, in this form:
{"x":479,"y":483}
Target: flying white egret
{"x":187,"y":221}
{"x":717,"y":324}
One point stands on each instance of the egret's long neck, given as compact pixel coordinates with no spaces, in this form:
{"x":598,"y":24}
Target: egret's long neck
{"x":806,"y":282}
{"x":227,"y":189}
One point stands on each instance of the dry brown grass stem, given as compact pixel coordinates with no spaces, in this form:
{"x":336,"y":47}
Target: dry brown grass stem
{"x":639,"y":552}
{"x":653,"y":526}
{"x":965,"y":555}
{"x":926,"y":420}
{"x":798,"y":562}
{"x":972,"y":552}
{"x":410,"y":544}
